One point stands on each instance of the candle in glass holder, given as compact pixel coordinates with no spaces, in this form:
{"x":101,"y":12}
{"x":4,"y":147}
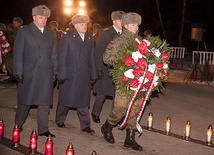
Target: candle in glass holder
{"x":49,"y":146}
{"x":33,"y":142}
{"x":209,"y":135}
{"x":70,"y":149}
{"x":168,"y":125}
{"x":150,"y":121}
{"x":187,"y":130}
{"x":16,"y":136}
{"x":1,"y":128}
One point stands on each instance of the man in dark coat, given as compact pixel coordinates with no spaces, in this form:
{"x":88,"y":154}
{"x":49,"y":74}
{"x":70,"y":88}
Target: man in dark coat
{"x":76,"y":70}
{"x":104,"y":86}
{"x":35,"y":64}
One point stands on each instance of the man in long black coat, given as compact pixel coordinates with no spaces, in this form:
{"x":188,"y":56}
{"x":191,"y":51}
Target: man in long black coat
{"x":104,"y":86}
{"x":35,"y":64}
{"x":76,"y":70}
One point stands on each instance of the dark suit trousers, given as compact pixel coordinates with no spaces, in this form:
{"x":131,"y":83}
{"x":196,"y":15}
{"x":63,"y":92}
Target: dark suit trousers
{"x":98,"y":104}
{"x":42,"y":116}
{"x":82,"y":113}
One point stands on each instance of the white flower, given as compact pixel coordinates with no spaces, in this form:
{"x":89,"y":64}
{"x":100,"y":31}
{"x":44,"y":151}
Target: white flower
{"x":151,"y":68}
{"x":129,"y":73}
{"x":136,"y":55}
{"x":156,"y":77}
{"x":165,"y":66}
{"x":156,"y":52}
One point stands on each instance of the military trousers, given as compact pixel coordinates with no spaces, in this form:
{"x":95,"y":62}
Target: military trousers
{"x":82,"y":113}
{"x":98,"y":104}
{"x":22,"y":112}
{"x":121,"y":105}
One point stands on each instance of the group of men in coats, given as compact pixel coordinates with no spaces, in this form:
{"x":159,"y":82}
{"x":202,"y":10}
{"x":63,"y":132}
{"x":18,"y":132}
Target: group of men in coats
{"x":38,"y":62}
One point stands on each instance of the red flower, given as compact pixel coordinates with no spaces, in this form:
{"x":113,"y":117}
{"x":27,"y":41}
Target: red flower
{"x":149,"y":75}
{"x":160,"y":66}
{"x":124,"y":79}
{"x":164,"y":56}
{"x":129,"y":61}
{"x":163,"y":73}
{"x":143,"y":48}
{"x":134,"y":83}
{"x":138,"y":71}
{"x":141,"y":63}
{"x":148,"y":84}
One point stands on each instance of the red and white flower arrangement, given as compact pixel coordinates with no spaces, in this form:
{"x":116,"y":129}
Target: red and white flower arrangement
{"x":140,"y":69}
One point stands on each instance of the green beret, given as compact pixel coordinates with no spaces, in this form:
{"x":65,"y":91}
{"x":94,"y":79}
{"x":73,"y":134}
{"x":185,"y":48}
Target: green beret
{"x":41,"y":10}
{"x":131,"y":18}
{"x":79,"y":18}
{"x":117,"y":15}
{"x":18,"y":19}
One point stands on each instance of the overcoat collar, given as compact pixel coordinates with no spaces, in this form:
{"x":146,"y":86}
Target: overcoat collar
{"x":38,"y":35}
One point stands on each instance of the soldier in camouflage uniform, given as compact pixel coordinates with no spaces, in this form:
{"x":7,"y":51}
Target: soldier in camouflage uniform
{"x":11,"y":35}
{"x":131,"y":22}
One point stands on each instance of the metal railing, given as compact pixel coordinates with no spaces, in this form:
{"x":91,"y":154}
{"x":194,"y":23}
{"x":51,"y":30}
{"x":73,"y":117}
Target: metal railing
{"x":177,"y":57}
{"x":201,"y":57}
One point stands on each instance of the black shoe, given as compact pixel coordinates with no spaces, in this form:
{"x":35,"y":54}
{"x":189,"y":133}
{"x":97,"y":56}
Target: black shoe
{"x":106,"y":129}
{"x":96,"y":119}
{"x":61,"y":125}
{"x":130,"y":140}
{"x":47,"y":133}
{"x":10,"y":79}
{"x":88,"y":130}
{"x":20,"y":128}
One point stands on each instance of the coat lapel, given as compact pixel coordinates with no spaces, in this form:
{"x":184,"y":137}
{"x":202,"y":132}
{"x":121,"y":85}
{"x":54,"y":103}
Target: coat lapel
{"x":38,"y":36}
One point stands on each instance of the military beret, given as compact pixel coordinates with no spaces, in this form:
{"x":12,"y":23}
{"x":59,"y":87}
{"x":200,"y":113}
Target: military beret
{"x":79,"y":18}
{"x":117,"y":15}
{"x":18,"y":19}
{"x":131,"y":18}
{"x":41,"y":10}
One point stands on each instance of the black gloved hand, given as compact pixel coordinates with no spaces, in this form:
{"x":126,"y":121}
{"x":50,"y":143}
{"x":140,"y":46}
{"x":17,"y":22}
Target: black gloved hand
{"x":20,"y":78}
{"x":61,"y":81}
{"x":100,"y":74}
{"x":55,"y":80}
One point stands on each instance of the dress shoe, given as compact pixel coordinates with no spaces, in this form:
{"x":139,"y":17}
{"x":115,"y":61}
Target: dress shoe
{"x":47,"y":133}
{"x":96,"y":119}
{"x":61,"y":125}
{"x":20,"y":128}
{"x":88,"y":130}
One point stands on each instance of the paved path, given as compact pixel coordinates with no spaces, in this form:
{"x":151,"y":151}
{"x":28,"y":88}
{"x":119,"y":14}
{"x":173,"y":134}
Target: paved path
{"x":181,"y":102}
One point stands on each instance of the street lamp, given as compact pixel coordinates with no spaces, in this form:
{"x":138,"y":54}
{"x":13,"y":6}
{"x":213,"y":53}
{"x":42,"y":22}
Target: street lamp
{"x":82,"y":3}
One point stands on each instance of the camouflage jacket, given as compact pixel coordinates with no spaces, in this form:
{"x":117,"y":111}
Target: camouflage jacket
{"x":116,"y":46}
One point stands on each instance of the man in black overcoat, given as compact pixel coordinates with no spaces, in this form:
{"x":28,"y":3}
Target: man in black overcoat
{"x":104,"y":86}
{"x":35,"y":65}
{"x":76,"y":70}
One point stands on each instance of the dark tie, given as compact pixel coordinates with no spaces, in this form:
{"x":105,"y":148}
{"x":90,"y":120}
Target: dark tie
{"x":118,"y":33}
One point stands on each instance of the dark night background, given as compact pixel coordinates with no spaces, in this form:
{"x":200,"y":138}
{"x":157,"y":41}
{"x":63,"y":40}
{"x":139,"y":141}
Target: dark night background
{"x":197,"y":11}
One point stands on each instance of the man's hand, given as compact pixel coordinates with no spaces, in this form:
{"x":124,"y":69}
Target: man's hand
{"x":61,"y":81}
{"x":55,"y":80}
{"x":100,"y":74}
{"x":20,"y":78}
